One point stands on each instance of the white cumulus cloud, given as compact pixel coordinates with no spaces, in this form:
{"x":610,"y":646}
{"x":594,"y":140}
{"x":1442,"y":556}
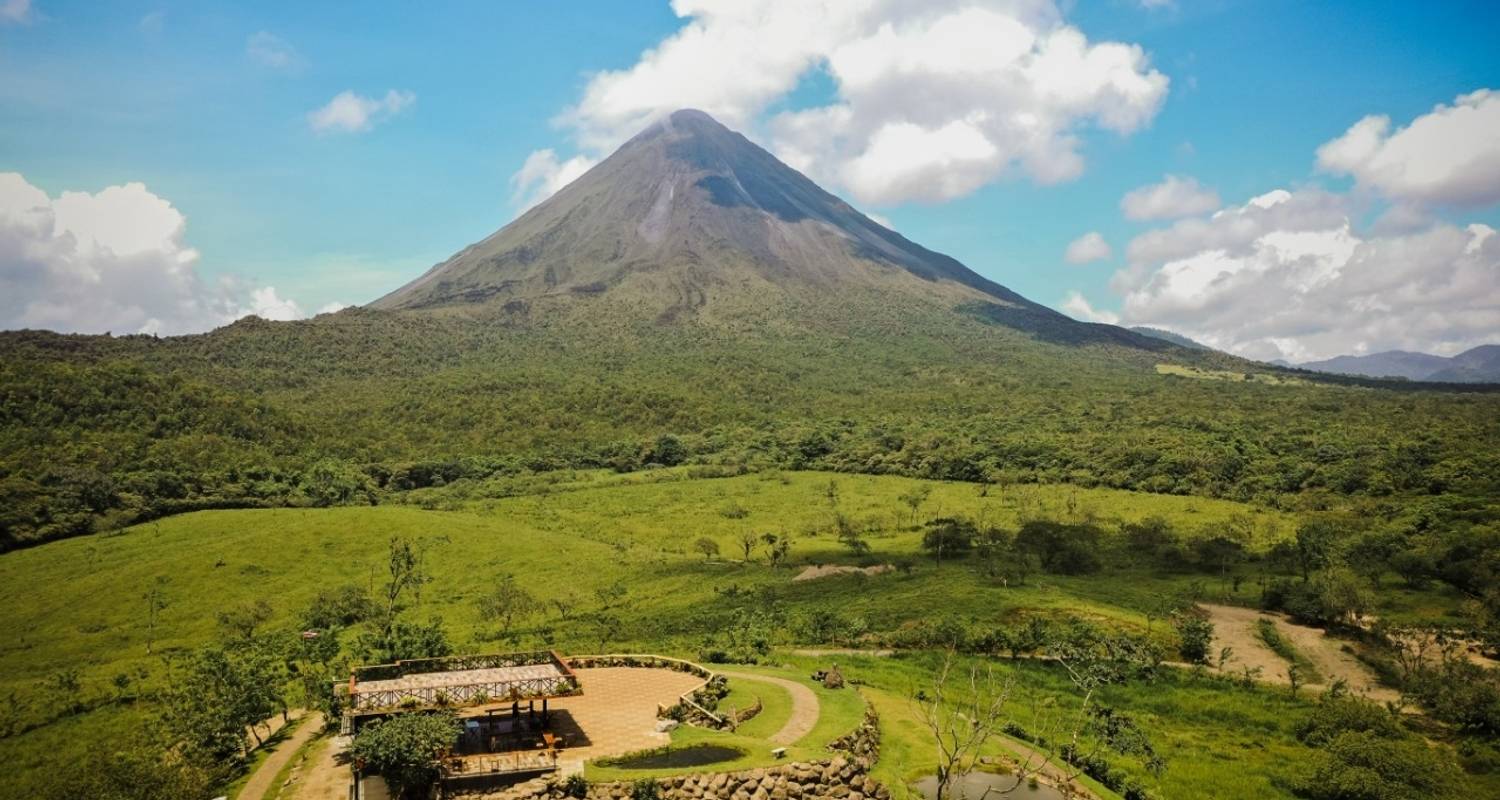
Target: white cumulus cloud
{"x":1287,"y":276}
{"x":265,"y":303}
{"x":1079,"y":307}
{"x":269,"y":50}
{"x":543,"y":174}
{"x":1174,"y":197}
{"x":1087,"y":248}
{"x":933,"y":99}
{"x":348,"y":112}
{"x":113,"y":260}
{"x":1450,"y":156}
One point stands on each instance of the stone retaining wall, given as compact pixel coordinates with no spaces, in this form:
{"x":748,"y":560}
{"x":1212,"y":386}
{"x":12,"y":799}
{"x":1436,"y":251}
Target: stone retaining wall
{"x":843,"y":777}
{"x":839,"y":778}
{"x":863,"y":743}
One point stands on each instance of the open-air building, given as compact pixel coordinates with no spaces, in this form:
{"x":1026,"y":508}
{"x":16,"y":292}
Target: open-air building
{"x":502,"y":701}
{"x":522,"y":714}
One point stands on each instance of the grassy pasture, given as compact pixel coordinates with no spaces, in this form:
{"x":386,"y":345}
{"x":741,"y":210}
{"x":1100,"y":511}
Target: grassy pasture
{"x":80,"y":603}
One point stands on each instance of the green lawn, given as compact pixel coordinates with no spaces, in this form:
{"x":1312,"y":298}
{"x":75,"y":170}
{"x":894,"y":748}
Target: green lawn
{"x":840,"y":711}
{"x":776,"y":706}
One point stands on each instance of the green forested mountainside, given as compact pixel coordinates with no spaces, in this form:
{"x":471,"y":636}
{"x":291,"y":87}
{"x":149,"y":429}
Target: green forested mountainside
{"x":97,"y":432}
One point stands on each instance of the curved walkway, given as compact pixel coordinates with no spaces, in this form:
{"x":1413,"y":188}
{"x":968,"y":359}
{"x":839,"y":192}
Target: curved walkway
{"x":260,"y":781}
{"x":805,"y":707}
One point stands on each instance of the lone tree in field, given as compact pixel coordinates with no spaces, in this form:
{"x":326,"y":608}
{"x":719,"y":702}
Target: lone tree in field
{"x":777,"y":547}
{"x":748,"y":541}
{"x":914,"y":500}
{"x":405,"y":750}
{"x":948,"y":536}
{"x":241,"y":622}
{"x":507,"y":603}
{"x":406,"y":574}
{"x":849,"y":535}
{"x":156,"y":602}
{"x":708,"y":547}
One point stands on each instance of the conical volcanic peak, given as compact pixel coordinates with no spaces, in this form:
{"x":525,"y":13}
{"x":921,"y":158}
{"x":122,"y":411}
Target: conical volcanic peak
{"x":689,"y":215}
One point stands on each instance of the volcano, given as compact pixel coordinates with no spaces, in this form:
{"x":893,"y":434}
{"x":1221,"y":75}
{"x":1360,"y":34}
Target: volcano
{"x":691,"y":220}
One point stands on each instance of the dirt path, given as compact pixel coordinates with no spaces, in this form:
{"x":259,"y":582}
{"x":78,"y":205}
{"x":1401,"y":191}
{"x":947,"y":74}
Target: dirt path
{"x":325,"y":774}
{"x":1235,"y":627}
{"x":261,"y":780}
{"x":265,"y":729}
{"x":841,"y":651}
{"x":805,"y":707}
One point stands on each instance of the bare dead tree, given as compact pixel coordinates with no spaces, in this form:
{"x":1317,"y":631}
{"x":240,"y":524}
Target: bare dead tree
{"x":961,"y":719}
{"x":964,"y":713}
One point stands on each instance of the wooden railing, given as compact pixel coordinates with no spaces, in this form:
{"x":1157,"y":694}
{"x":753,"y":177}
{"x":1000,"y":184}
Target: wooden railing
{"x":464,"y":694}
{"x":353,"y":698}
{"x":418,"y":666}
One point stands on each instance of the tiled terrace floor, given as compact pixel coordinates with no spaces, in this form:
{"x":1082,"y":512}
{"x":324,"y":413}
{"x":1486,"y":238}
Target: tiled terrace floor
{"x":616,"y":712}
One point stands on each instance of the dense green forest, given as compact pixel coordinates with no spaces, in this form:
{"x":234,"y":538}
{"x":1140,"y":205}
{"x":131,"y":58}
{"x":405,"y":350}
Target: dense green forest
{"x":99,"y":432}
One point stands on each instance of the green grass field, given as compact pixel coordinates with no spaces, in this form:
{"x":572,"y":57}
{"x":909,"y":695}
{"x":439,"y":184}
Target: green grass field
{"x":80,"y":603}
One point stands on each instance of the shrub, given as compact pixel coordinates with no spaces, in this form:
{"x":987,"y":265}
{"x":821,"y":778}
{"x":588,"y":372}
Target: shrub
{"x":1197,"y":635}
{"x":645,"y":789}
{"x":575,"y":786}
{"x":404,"y":749}
{"x":949,"y":537}
{"x":1338,"y":715}
{"x":1061,"y":548}
{"x":1365,"y":766}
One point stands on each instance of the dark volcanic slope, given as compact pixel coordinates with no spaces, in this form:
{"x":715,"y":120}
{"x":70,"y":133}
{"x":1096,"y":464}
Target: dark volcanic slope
{"x":689,"y":208}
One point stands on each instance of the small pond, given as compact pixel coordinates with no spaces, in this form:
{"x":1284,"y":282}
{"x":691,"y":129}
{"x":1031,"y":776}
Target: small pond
{"x":974,"y":785}
{"x":696,"y":755}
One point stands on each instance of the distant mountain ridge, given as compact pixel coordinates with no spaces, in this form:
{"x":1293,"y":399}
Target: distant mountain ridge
{"x":1477,"y":365}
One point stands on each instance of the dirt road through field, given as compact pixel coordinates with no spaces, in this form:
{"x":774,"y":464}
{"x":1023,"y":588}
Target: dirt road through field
{"x":1235,"y":627}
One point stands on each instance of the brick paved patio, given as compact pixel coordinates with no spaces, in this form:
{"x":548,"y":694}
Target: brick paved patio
{"x":616,"y":712}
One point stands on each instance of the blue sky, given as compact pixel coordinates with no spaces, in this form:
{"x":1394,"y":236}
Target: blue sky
{"x":208,"y":104}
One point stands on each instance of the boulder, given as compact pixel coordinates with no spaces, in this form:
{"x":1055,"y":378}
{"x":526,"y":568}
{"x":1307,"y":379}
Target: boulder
{"x":833,"y":679}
